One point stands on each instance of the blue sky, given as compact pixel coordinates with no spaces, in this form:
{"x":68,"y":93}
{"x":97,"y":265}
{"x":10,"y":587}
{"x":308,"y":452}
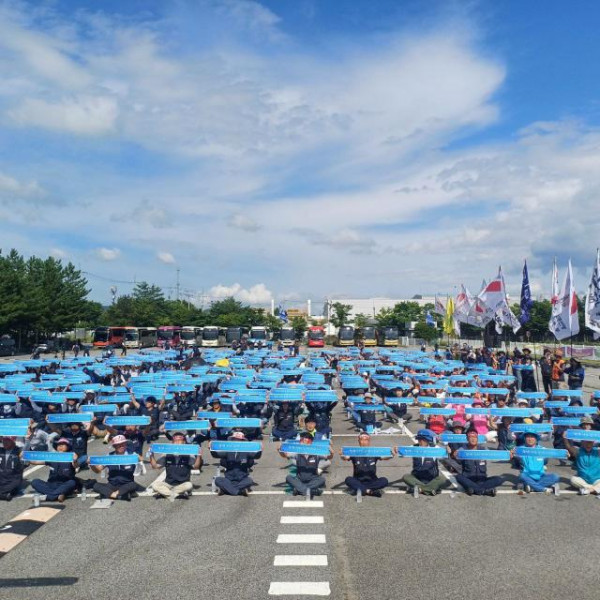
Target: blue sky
{"x":289,"y":150}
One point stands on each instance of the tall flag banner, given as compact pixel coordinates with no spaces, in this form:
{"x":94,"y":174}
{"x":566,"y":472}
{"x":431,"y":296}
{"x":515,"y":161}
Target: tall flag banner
{"x":429,"y":320}
{"x":439,"y":307}
{"x":463,"y":305}
{"x":592,"y":300}
{"x":479,"y":316}
{"x":554,"y":284}
{"x":283,"y":314}
{"x":526,"y":300}
{"x":564,"y":322}
{"x":450,"y":325}
{"x":494,"y":299}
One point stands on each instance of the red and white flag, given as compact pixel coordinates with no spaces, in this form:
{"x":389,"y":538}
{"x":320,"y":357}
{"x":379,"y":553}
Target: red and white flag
{"x":439,"y":307}
{"x":494,"y":299}
{"x":564,"y":322}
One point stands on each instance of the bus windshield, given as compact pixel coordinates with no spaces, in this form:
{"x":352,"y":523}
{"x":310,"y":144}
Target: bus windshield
{"x":346,"y":333}
{"x":187,"y":334}
{"x":259,"y":334}
{"x":287,"y":334}
{"x":210,"y":334}
{"x":165,"y":334}
{"x":368,"y":332}
{"x":101,"y":335}
{"x":316,"y":334}
{"x":131,"y":336}
{"x":390,"y":332}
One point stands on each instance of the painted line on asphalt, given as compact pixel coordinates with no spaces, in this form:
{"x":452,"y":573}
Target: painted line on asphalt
{"x":300,"y":560}
{"x":31,"y":470}
{"x":303,"y":504}
{"x":22,"y":526}
{"x":293,"y":520}
{"x":299,"y":588}
{"x":301,"y":538}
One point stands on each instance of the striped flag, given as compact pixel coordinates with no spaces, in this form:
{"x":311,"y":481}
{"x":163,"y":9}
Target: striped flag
{"x":592,"y":300}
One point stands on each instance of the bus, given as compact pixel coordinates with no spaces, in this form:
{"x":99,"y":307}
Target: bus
{"x":287,"y":336}
{"x":345,"y":336}
{"x":259,"y":333}
{"x":191,"y":336}
{"x":170,"y":333}
{"x":316,"y":336}
{"x":234,"y":334}
{"x":387,"y":336}
{"x":367,"y":335}
{"x":108,"y":336}
{"x":211,"y":337}
{"x":140,"y":337}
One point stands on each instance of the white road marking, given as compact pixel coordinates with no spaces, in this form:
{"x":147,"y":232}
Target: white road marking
{"x":303,"y":504}
{"x":301,"y":538}
{"x":289,"y":520}
{"x":31,"y":470}
{"x":300,"y":560}
{"x":299,"y":588}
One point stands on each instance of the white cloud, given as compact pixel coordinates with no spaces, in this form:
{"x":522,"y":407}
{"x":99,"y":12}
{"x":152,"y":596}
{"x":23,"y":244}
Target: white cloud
{"x":107,"y":254}
{"x":166,"y":257}
{"x":257,"y":294}
{"x":11,"y":187}
{"x":243,"y":222}
{"x":86,"y":115}
{"x":58,"y":253}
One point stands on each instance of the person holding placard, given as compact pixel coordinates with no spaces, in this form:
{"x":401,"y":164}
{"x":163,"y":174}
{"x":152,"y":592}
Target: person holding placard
{"x":121,"y":484}
{"x":425,"y":475}
{"x":11,"y":468}
{"x":587,"y":463}
{"x":474,"y":477}
{"x":178,"y":472}
{"x":236,"y":480}
{"x":61,"y":480}
{"x":533,"y":468}
{"x":364,"y":476}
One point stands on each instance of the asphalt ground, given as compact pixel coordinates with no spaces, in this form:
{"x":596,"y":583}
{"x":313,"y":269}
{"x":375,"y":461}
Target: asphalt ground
{"x":449,"y":546}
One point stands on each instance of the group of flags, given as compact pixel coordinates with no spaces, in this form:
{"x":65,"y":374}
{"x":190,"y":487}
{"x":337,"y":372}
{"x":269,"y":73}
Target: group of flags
{"x":491,"y":303}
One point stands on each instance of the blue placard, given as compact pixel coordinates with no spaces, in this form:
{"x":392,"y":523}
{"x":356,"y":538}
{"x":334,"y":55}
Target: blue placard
{"x":459,"y":438}
{"x":462,"y":390}
{"x":445,"y":412}
{"x":538,"y":452}
{"x":532,"y":395}
{"x":580,"y":410}
{"x":514,"y":412}
{"x":8,"y":399}
{"x":178,"y":449}
{"x":464,"y":454}
{"x":567,"y":393}
{"x":556,"y":403}
{"x":368,"y":407}
{"x":211,"y":414}
{"x":566,"y":421}
{"x":122,"y":421}
{"x":534,"y":427}
{"x":583,"y":435}
{"x":495,"y":391}
{"x":230,"y":446}
{"x":367,"y":451}
{"x":13,"y":431}
{"x":115,"y":459}
{"x":310,"y":449}
{"x":14,"y":422}
{"x":98,"y":408}
{"x":249,"y":423}
{"x":476,"y":411}
{"x":427,"y":400}
{"x":422,"y":452}
{"x":56,"y":457}
{"x":70,"y":418}
{"x":459,"y":400}
{"x":200,"y":425}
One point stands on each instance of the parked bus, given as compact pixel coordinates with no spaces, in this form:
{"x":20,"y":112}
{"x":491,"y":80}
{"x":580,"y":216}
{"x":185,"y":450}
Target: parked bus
{"x":366,"y":335}
{"x":108,"y":336}
{"x":211,"y":337}
{"x":345,"y":336}
{"x":287,"y":336}
{"x":259,"y":333}
{"x":191,"y":336}
{"x":170,"y":333}
{"x":316,"y":336}
{"x":387,"y":336}
{"x":140,"y":337}
{"x":234,"y":334}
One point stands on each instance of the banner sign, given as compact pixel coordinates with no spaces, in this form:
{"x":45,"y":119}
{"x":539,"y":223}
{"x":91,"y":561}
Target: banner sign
{"x":426,"y":400}
{"x":580,"y":410}
{"x":532,"y":395}
{"x":13,"y":431}
{"x":368,"y":407}
{"x":459,"y":438}
{"x":566,"y":421}
{"x":533,"y":427}
{"x":567,"y":394}
{"x":115,"y":459}
{"x":70,"y":418}
{"x":98,"y":408}
{"x":210,"y":414}
{"x":462,"y":390}
{"x":122,"y":421}
{"x":310,"y":449}
{"x":56,"y":457}
{"x":464,"y":454}
{"x":477,"y":411}
{"x":422,"y":452}
{"x":459,"y":400}
{"x":366,"y":451}
{"x":200,"y":425}
{"x":556,"y":403}
{"x":583,"y":435}
{"x":239,"y":423}
{"x":177,"y":449}
{"x":227,"y":446}
{"x":14,"y":422}
{"x":446,"y":412}
{"x":537,"y":452}
{"x":515,"y":412}
{"x":495,"y":391}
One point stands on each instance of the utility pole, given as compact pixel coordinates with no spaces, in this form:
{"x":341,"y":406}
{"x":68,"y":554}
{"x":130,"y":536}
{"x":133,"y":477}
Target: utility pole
{"x":177,"y":284}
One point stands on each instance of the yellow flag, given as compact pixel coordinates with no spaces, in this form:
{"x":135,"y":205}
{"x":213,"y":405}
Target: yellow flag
{"x":223,"y":362}
{"x":449,"y":318}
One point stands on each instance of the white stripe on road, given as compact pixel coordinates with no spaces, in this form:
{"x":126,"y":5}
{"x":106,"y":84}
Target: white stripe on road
{"x":299,"y":588}
{"x":301,"y":538}
{"x":31,"y":470}
{"x":301,"y":520}
{"x":300,"y":560}
{"x":303,"y":504}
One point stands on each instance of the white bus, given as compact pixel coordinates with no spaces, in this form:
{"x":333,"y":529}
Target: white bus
{"x":211,"y":337}
{"x":140,"y":337}
{"x":191,"y":336}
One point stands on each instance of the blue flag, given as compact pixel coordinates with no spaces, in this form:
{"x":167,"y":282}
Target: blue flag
{"x":526,"y":301}
{"x":283,"y":314}
{"x":429,"y":320}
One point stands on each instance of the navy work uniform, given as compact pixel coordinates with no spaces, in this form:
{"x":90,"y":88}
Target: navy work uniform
{"x":364,"y":476}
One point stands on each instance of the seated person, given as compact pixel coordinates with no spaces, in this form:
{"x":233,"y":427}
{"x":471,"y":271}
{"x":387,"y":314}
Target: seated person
{"x":121,"y":484}
{"x":587,"y":463}
{"x":533,"y":469}
{"x":61,"y":480}
{"x":425,"y":475}
{"x":11,"y":468}
{"x":364,"y":476}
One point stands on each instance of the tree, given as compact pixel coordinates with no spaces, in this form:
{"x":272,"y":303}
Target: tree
{"x":361,"y":320}
{"x":341,"y":312}
{"x":400,"y":314}
{"x":426,"y":332}
{"x":299,"y":324}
